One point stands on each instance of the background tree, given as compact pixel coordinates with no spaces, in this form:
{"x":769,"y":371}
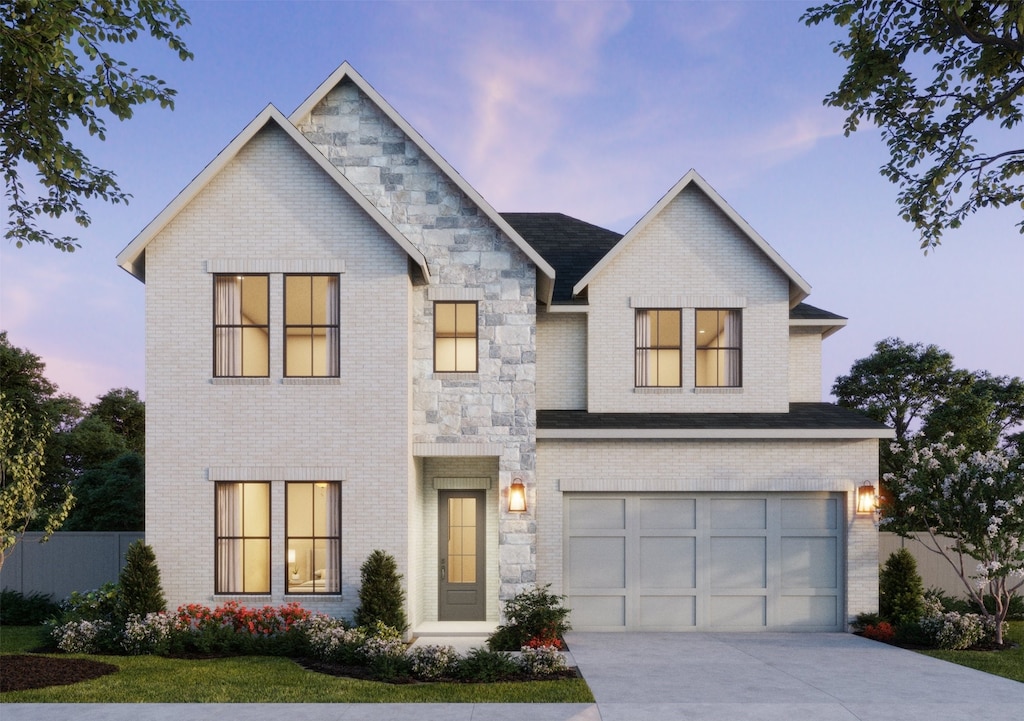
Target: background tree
{"x":977,"y":500}
{"x":55,"y":67}
{"x":981,"y":414}
{"x":928,"y":74}
{"x":899,"y":384}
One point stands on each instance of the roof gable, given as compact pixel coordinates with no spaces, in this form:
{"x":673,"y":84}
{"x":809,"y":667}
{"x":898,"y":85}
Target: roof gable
{"x":346,"y":71}
{"x":133,"y":257}
{"x":798,"y":287}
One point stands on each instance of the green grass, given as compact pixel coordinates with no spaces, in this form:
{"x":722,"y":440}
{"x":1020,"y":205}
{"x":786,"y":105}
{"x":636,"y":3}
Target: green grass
{"x":1009,"y":664}
{"x":261,"y":679}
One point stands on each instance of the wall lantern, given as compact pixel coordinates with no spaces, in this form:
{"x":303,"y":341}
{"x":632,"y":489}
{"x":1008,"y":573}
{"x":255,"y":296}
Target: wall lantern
{"x":866,"y":498}
{"x":517,"y":497}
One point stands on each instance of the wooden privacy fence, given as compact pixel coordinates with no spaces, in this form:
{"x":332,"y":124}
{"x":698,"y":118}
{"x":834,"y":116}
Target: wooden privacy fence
{"x":69,"y":561}
{"x":934,"y":570}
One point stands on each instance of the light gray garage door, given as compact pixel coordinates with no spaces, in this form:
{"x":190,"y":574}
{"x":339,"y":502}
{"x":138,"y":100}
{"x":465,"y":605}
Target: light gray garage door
{"x":716,"y":561}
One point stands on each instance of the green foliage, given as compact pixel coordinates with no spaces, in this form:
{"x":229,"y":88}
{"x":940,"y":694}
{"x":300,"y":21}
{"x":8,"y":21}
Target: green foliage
{"x":17,"y":609}
{"x":380,"y":593}
{"x":536,"y":613}
{"x":111,"y":497}
{"x":99,"y":604}
{"x":139,"y":588}
{"x":56,"y":68}
{"x":900,"y":589}
{"x":977,"y":500}
{"x":928,"y":75}
{"x":484,"y":666}
{"x":121,"y":410}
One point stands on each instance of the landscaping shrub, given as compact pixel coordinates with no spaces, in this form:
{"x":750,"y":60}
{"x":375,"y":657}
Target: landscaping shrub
{"x":431,"y":663}
{"x":380,"y":593}
{"x":863,"y":620}
{"x":541,"y":660}
{"x":149,"y":634}
{"x":483,"y":666}
{"x":957,"y":631}
{"x":84,"y":636}
{"x":232,"y":629}
{"x":86,"y":623}
{"x":139,"y":588}
{"x":900,"y":589}
{"x":882,"y":631}
{"x":17,"y":609}
{"x":534,"y":614}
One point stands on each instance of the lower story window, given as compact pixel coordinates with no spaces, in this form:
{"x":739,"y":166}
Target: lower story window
{"x":243,"y":538}
{"x":313,"y":537}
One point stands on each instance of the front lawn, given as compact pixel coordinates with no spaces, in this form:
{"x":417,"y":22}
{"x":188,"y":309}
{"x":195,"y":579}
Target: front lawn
{"x":1009,"y":664}
{"x":261,"y":679}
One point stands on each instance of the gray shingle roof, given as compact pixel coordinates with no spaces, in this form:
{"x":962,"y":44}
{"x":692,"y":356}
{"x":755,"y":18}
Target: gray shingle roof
{"x":806,"y":311}
{"x":801,"y":416}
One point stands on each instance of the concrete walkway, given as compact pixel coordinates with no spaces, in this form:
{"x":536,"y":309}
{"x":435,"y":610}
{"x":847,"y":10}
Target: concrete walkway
{"x":664,"y":677}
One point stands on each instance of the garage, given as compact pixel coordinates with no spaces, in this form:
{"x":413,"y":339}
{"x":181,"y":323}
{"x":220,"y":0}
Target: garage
{"x":729,"y":561}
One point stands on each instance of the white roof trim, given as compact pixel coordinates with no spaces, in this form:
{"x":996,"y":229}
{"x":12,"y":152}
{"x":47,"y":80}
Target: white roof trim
{"x":710,"y":433}
{"x":828,"y":327}
{"x":132,"y":258}
{"x":347,"y":71}
{"x":799,"y":288}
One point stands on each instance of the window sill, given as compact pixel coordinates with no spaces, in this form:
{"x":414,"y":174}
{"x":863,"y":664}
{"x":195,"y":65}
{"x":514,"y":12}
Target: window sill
{"x":720,"y":391}
{"x":456,"y":375}
{"x":659,"y":390}
{"x":219,"y":381}
{"x":310,"y":381}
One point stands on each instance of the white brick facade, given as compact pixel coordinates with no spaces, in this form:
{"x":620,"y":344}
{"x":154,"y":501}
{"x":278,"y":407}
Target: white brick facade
{"x":347,"y":187}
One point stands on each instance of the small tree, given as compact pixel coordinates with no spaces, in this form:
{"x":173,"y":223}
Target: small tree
{"x":976,"y":500}
{"x":900,"y":589}
{"x":139,"y":588}
{"x":380,"y":592}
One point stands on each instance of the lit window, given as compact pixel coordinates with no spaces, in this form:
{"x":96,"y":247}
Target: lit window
{"x":658,"y":348}
{"x":313,"y":537}
{"x":455,"y":336}
{"x":719,"y":349}
{"x":243,"y":538}
{"x":311,"y":327}
{"x":240,"y":326}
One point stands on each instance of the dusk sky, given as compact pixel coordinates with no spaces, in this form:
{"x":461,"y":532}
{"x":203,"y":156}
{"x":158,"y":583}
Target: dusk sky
{"x":590,"y":109}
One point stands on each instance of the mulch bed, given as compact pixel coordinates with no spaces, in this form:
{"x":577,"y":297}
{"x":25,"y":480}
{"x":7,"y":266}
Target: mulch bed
{"x":21,"y":672}
{"x":365,"y":674}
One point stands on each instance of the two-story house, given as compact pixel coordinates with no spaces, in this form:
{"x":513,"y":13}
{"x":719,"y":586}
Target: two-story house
{"x":349,"y":349}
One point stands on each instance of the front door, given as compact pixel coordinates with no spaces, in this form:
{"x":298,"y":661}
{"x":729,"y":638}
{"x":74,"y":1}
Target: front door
{"x":460,"y":551}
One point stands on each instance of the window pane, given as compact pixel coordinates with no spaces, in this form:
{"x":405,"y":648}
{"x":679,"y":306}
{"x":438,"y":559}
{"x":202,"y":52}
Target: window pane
{"x":257,"y":565}
{"x":256,"y":509}
{"x":254,"y":299}
{"x":300,"y":509}
{"x":668,"y":373}
{"x":313,"y":533}
{"x":255,"y":352}
{"x":444,"y":354}
{"x":719,"y":348}
{"x":465,"y":354}
{"x":444,"y":319}
{"x":668,"y":328}
{"x":707,"y":328}
{"x":297,"y":300}
{"x":322,"y":298}
{"x":465,"y":319}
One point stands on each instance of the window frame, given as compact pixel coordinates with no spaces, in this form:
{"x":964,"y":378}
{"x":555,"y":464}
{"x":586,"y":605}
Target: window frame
{"x":241,"y":326}
{"x":218,"y":537}
{"x":639,"y":350}
{"x":737,"y":349}
{"x":455,"y":335}
{"x":312,"y":326}
{"x":289,"y":537}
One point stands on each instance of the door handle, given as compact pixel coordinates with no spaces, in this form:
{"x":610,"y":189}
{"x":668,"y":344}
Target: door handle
{"x":444,"y":566}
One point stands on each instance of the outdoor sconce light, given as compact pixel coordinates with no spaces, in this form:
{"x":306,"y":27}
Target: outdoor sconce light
{"x":517,"y":497}
{"x":866,"y":498}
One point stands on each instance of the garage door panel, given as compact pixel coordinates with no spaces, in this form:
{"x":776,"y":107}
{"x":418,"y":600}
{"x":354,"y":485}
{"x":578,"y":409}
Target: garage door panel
{"x":738,"y":611}
{"x":675,"y":513}
{"x":668,"y":562}
{"x":738,"y":562}
{"x":598,"y":513}
{"x":809,"y":611}
{"x":598,"y":611}
{"x":738,"y":513}
{"x":809,"y":562}
{"x":809,"y":513}
{"x":664,"y":612}
{"x":597,"y":562}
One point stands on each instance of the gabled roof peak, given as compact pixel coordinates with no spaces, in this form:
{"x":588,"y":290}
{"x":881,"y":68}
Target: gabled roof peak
{"x":798,"y":287}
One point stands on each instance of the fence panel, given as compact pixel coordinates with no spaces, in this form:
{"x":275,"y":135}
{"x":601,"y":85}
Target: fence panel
{"x":934,"y":570}
{"x":69,"y":561}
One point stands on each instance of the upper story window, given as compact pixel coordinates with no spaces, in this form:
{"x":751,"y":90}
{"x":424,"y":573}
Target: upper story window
{"x":313,"y":537}
{"x":658,"y":348}
{"x":243,"y":538}
{"x":455,"y":334}
{"x":719,"y":348}
{"x":311,"y":326}
{"x":241,"y":339}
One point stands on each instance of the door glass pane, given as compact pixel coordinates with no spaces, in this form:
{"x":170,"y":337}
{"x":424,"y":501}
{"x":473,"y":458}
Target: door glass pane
{"x":462,"y":540}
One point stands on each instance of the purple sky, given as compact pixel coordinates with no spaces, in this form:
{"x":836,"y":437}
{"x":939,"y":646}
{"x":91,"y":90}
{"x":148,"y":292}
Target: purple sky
{"x":591,"y":109}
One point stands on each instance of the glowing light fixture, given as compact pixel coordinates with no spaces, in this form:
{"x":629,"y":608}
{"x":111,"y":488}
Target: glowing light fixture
{"x":517,"y":497}
{"x":866,"y":498}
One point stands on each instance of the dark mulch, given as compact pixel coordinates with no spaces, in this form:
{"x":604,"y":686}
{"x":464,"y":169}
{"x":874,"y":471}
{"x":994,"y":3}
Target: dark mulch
{"x":21,"y":672}
{"x":365,"y":674}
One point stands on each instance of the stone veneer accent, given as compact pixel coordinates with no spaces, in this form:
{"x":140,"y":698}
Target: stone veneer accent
{"x":468,"y":256}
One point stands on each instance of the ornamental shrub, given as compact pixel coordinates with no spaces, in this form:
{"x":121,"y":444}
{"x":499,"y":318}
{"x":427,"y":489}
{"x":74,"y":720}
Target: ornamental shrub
{"x":83,"y":636}
{"x":483,"y":666}
{"x":541,"y":660}
{"x":380,"y":593}
{"x":956,"y":631}
{"x":431,"y":663}
{"x":149,"y":634}
{"x":883,"y":632}
{"x":900,"y":589}
{"x":533,"y":614}
{"x":139,"y":588}
{"x":17,"y":609}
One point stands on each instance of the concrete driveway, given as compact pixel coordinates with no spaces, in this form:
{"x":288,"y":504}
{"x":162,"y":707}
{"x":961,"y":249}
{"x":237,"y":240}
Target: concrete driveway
{"x":784,"y":676}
